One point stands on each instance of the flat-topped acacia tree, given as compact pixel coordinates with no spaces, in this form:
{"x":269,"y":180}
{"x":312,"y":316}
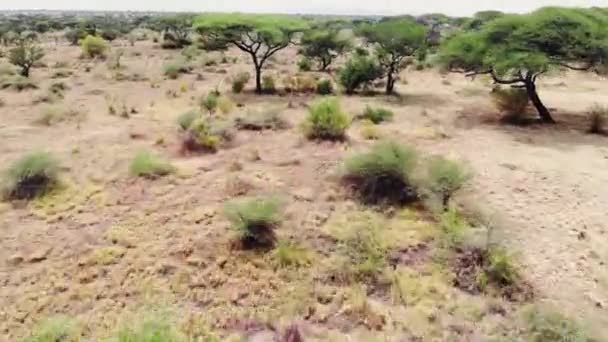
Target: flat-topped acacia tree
{"x":517,"y":49}
{"x":394,"y":40}
{"x":261,"y":36}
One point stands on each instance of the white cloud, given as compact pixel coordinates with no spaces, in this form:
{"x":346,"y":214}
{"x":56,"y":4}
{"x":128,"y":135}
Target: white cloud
{"x":451,"y":7}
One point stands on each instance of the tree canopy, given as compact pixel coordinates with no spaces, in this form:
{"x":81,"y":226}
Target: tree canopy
{"x":261,"y":36}
{"x":394,"y":40}
{"x":517,"y":49}
{"x":323,"y":46}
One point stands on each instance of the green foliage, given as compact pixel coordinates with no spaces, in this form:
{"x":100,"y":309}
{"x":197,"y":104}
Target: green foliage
{"x":323,"y":46}
{"x":376,"y":115}
{"x":93,"y":46}
{"x":153,"y":328}
{"x":384,"y":174}
{"x":598,"y":119}
{"x":305,"y":64}
{"x":454,"y":228}
{"x":56,"y":329}
{"x":25,"y":55}
{"x":176,"y":30}
{"x":210,"y":101}
{"x":75,"y":35}
{"x":444,"y":177}
{"x":31,"y":176}
{"x":289,"y":254}
{"x":254,"y":219}
{"x":394,"y":40}
{"x":500,"y":269}
{"x":546,"y":326}
{"x":326,"y":121}
{"x":148,"y":165}
{"x":207,"y":135}
{"x":268,"y":85}
{"x":325,"y":87}
{"x":358,"y":72}
{"x":186,"y":119}
{"x":175,"y":68}
{"x":239,"y":81}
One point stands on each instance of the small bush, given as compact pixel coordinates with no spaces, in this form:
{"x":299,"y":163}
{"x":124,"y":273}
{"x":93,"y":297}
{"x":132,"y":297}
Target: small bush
{"x":257,"y":121}
{"x":384,"y":174}
{"x":305,"y":64}
{"x":268,"y":84}
{"x":56,"y":329}
{"x":369,"y":131}
{"x":147,"y":165}
{"x":500,"y":269}
{"x":239,"y":82}
{"x":206,"y":135}
{"x":191,"y":52}
{"x":445,"y":177}
{"x":358,"y":72}
{"x":288,"y":254}
{"x":326,"y":121}
{"x":510,"y":101}
{"x":254,"y":220}
{"x":325,"y":87}
{"x":31,"y":176}
{"x":598,"y":120}
{"x":225,"y":104}
{"x":210,"y":102}
{"x":93,"y":46}
{"x":174,"y":69}
{"x":17,"y":83}
{"x":376,"y":115}
{"x":186,"y":119}
{"x":549,"y":326}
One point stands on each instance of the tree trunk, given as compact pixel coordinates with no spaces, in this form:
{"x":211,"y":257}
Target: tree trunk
{"x":390,"y":81}
{"x":543,"y":112}
{"x":258,"y":80}
{"x":25,"y":71}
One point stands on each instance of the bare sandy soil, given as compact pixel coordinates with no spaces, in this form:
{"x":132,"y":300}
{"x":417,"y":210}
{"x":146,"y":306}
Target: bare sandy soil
{"x":110,"y":244}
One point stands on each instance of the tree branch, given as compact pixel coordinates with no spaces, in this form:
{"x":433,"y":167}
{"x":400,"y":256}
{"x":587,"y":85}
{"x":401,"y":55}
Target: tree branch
{"x":503,"y":81}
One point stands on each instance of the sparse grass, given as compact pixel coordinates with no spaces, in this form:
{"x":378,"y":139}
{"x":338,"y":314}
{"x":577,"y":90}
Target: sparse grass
{"x":291,"y":255}
{"x":305,"y":64}
{"x":376,"y":115}
{"x":207,"y":135}
{"x":445,"y":177}
{"x":598,"y":120}
{"x":254,"y":219}
{"x":148,"y":165}
{"x":31,"y":176}
{"x":56,"y":329}
{"x":56,"y":114}
{"x":326,"y":121}
{"x":384,"y":174}
{"x":175,"y":68}
{"x":186,"y":119}
{"x":152,"y":327}
{"x":17,"y":83}
{"x":240,"y":81}
{"x":225,"y":104}
{"x":454,"y":228}
{"x":261,"y":120}
{"x":550,"y":326}
{"x":106,"y":255}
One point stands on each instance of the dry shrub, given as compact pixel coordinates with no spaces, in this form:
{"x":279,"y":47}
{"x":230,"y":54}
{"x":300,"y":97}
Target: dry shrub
{"x":240,"y":81}
{"x":261,"y":120}
{"x":206,"y":135}
{"x":598,"y":119}
{"x":511,"y":102}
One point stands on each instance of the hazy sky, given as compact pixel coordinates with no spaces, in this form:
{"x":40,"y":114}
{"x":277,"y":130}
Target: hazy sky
{"x":452,"y":7}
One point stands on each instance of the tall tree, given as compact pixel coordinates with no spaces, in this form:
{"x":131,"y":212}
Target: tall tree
{"x":260,"y":36}
{"x":394,"y":40}
{"x":517,"y":49}
{"x":324,"y":46}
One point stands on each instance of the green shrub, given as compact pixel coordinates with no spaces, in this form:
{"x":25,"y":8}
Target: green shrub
{"x":500,"y":269}
{"x":153,"y":328}
{"x":191,"y":52}
{"x":210,"y":101}
{"x":254,"y":220}
{"x":369,"y":131}
{"x":358,"y":72}
{"x":305,"y":64}
{"x":326,"y":121}
{"x":147,"y":165}
{"x":93,"y":46}
{"x":545,"y":326}
{"x":31,"y":176}
{"x":289,"y":254}
{"x":261,"y":120}
{"x":56,"y":329}
{"x":510,"y":101}
{"x":268,"y":84}
{"x":325,"y":87}
{"x":173,"y":69}
{"x":376,"y":115}
{"x":384,"y":174}
{"x":598,"y":120}
{"x":186,"y":119}
{"x":207,"y":135}
{"x":239,"y":81}
{"x":445,"y":177}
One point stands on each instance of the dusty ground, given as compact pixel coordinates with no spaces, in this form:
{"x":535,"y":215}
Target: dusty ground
{"x":108,"y":244}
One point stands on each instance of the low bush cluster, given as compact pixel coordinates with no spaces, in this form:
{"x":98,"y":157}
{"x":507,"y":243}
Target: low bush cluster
{"x":147,"y":165}
{"x":359,"y":71}
{"x":261,"y":120}
{"x":325,"y":87}
{"x":207,"y":135}
{"x":93,"y":46}
{"x":326,"y":121}
{"x":240,"y":81}
{"x":376,"y":115}
{"x":511,"y":102}
{"x":255,"y":219}
{"x":31,"y":176}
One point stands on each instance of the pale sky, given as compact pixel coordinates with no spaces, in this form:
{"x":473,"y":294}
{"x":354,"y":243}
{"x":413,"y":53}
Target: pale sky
{"x":451,"y":7}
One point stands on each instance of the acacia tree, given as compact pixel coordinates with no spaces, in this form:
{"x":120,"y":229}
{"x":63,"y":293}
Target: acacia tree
{"x":324,"y":46}
{"x":25,"y":55}
{"x":176,"y":29}
{"x":517,"y":49}
{"x":394,"y":40}
{"x":259,"y":36}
